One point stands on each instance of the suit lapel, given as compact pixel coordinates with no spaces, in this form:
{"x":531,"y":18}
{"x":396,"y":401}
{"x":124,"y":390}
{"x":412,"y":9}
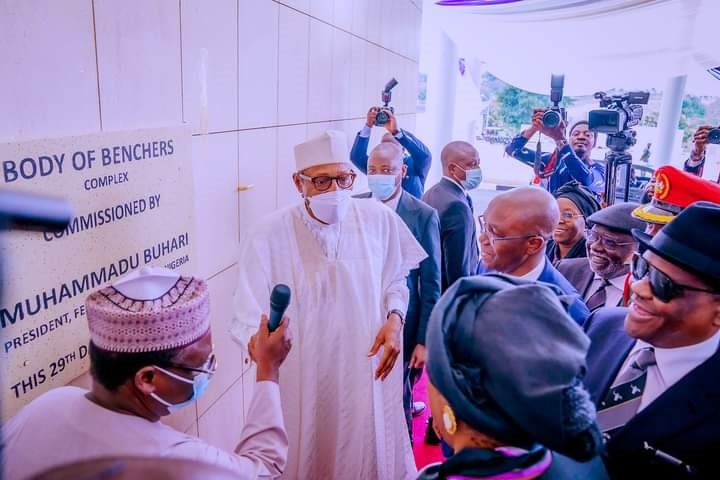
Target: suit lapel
{"x":587,"y":282}
{"x":691,"y":400}
{"x":605,"y":363}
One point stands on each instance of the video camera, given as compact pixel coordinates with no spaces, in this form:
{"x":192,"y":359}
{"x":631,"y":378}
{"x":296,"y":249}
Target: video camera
{"x":616,"y":117}
{"x":555,"y":114}
{"x":382,"y":117}
{"x":714,"y":136}
{"x":617,"y":114}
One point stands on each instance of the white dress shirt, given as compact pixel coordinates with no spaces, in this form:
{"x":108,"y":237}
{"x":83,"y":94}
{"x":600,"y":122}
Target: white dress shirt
{"x":613,"y":292}
{"x":672,"y":365}
{"x":535,"y":273}
{"x":394,"y":202}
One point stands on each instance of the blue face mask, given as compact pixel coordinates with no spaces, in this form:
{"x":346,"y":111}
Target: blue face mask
{"x":199,"y":382}
{"x":473,"y":178}
{"x":382,"y":186}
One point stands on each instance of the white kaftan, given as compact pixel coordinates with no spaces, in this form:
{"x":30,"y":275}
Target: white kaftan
{"x":63,"y":426}
{"x":345,"y":278}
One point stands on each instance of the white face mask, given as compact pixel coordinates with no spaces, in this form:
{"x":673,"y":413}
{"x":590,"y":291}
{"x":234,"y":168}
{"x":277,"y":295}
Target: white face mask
{"x":330,"y":207}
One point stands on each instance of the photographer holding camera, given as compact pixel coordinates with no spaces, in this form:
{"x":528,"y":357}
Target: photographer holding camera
{"x":570,"y":160}
{"x":418,"y":156}
{"x":696,"y":162}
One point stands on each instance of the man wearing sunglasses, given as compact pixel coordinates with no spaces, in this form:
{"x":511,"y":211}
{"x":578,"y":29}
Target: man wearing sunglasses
{"x":600,"y":278}
{"x":346,"y":261}
{"x":151,"y":354}
{"x":653,"y":367}
{"x":513,"y":235}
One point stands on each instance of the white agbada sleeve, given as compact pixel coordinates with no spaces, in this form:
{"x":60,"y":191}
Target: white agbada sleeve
{"x":262,"y":450}
{"x":401,"y":256}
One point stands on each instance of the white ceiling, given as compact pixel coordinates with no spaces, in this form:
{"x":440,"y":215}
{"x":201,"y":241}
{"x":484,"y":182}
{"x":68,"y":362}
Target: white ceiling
{"x":598,"y":44}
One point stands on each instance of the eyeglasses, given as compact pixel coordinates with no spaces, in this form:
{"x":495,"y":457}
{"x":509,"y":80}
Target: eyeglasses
{"x":592,"y":236}
{"x":569,"y":215}
{"x":209,"y":367}
{"x":324,"y":182}
{"x":492,"y":236}
{"x":662,"y":286}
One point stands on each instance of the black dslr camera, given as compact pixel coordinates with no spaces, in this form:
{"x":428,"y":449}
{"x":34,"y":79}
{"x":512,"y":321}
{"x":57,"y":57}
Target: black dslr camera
{"x":382,"y":117}
{"x":555,"y":114}
{"x":714,"y":136}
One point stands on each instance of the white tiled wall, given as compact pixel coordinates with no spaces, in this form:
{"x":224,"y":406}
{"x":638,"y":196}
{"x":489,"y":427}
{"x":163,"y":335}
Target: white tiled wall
{"x":252,"y":78}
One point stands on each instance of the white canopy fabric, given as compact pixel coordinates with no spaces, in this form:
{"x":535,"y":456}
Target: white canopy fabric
{"x":597,"y":44}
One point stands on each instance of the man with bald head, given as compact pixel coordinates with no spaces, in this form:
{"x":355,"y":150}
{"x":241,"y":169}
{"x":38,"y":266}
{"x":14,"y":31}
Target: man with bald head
{"x":513,"y":233}
{"x":458,"y":236}
{"x":385,"y":173}
{"x":461,"y":172}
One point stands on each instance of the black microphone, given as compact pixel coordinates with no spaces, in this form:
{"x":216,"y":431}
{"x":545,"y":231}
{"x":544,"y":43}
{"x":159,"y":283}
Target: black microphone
{"x":30,"y":212}
{"x":279,"y":301}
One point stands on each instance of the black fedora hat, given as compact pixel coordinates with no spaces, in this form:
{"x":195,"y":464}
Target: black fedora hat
{"x":691,"y":241}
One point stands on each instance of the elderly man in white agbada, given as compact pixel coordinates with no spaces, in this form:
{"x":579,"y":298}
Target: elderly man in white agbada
{"x":346,"y":261}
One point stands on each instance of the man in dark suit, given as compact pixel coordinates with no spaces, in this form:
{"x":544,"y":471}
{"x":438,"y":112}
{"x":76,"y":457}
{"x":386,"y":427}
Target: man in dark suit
{"x":461,"y":165}
{"x":385,"y":171}
{"x":600,"y":278}
{"x":513,"y":234}
{"x":653,"y":368}
{"x":417,"y":160}
{"x":458,"y":236}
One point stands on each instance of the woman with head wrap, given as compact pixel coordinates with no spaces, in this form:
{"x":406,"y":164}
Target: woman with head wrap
{"x":576,"y":203}
{"x":505,"y":363}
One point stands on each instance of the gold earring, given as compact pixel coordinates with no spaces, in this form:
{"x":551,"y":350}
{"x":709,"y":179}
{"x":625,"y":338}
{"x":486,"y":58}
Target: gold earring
{"x":449,"y":422}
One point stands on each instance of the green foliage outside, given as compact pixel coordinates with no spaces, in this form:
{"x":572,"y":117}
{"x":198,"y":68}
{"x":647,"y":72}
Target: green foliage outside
{"x":692,"y":116}
{"x":513,"y":107}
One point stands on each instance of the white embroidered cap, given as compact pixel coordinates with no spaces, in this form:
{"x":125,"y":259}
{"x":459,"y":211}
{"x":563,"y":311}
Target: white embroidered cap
{"x":330,"y":147}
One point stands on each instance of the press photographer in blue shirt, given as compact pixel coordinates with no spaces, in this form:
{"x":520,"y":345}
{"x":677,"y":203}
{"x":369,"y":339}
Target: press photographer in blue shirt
{"x":417,"y":159}
{"x":570,"y":160}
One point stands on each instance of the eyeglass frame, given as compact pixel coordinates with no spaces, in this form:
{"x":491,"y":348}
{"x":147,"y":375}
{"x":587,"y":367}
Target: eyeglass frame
{"x":209,"y":367}
{"x":353,"y":175}
{"x":615,"y":245}
{"x":565,"y":215}
{"x":492,"y":237}
{"x":676,"y":289}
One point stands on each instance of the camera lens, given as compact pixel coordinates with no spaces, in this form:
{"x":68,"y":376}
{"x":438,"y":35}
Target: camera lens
{"x":714,"y":136}
{"x":381,"y":118}
{"x":551,"y":119}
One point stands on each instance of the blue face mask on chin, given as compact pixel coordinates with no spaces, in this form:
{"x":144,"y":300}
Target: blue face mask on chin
{"x":382,"y":186}
{"x":199,"y":382}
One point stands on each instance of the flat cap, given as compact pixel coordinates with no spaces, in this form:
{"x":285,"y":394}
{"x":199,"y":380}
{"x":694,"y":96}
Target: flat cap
{"x":618,"y":217}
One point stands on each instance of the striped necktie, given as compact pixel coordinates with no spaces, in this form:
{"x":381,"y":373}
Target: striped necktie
{"x":598,"y":298}
{"x":624,"y":396}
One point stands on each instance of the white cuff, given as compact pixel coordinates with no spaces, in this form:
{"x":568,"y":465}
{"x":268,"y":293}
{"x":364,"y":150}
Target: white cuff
{"x":695,"y":163}
{"x":365,"y":132}
{"x":399,"y":134}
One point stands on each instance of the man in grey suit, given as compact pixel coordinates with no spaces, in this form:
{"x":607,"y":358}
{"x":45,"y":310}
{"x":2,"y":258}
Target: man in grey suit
{"x":601,"y":277}
{"x":385,"y":173}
